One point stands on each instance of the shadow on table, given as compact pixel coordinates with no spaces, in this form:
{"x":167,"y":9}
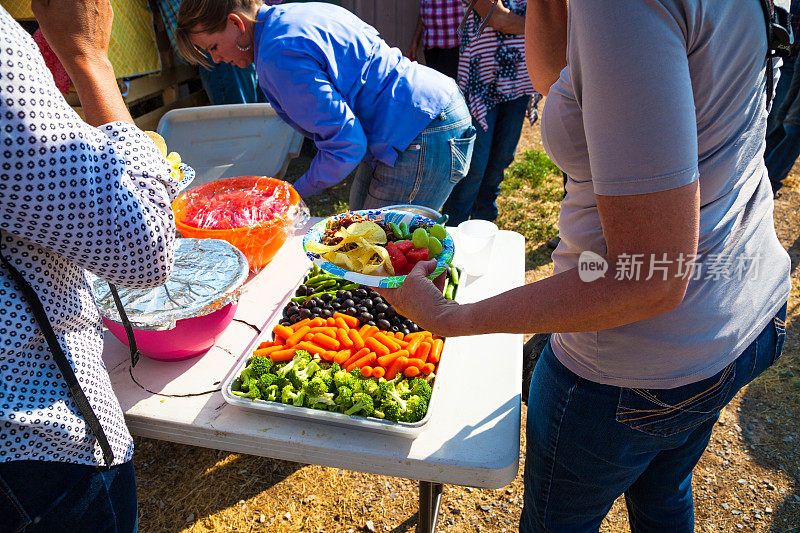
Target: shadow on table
{"x":176,"y":482}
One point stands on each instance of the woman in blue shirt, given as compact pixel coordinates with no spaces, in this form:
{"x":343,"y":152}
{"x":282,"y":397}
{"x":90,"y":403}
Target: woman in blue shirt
{"x":330,"y":76}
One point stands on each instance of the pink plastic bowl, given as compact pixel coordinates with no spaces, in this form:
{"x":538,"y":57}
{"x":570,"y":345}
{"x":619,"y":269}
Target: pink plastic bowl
{"x":189,"y":338}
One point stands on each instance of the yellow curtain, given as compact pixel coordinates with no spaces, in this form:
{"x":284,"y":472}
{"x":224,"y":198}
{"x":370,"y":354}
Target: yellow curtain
{"x":133,"y":50}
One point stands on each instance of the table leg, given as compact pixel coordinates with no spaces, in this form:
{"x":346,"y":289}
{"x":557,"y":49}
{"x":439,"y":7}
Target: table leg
{"x":430,"y":498}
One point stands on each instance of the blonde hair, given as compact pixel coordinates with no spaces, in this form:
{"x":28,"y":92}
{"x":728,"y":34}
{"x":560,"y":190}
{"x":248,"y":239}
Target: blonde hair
{"x":208,"y":16}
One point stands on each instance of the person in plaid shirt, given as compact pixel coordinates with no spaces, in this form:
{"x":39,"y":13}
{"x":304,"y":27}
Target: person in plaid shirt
{"x":437,"y":26}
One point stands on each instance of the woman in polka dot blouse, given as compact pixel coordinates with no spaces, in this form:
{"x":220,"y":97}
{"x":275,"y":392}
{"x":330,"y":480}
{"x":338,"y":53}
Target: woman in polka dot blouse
{"x":74,"y":196}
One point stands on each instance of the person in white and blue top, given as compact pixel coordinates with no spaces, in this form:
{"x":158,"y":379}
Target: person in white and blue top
{"x":330,"y":76}
{"x":74,"y":196}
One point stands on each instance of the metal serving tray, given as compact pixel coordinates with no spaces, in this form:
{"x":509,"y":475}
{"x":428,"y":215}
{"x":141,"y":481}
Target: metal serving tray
{"x":315,"y":415}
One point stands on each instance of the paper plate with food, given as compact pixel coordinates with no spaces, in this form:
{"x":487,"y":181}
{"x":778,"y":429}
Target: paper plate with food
{"x":377,"y":247}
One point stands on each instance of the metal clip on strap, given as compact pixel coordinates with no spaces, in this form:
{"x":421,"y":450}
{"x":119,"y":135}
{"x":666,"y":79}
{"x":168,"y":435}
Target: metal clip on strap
{"x":61,"y":361}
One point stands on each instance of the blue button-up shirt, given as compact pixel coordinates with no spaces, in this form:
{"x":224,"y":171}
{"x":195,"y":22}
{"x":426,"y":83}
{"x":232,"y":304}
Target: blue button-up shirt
{"x":330,"y":76}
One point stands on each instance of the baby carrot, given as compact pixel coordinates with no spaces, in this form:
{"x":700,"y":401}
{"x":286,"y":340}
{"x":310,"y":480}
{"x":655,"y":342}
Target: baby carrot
{"x":308,"y":336}
{"x":416,"y":335}
{"x":297,"y":336}
{"x":398,"y":334}
{"x":386,"y":360}
{"x":282,"y":355}
{"x":398,"y":365}
{"x":419,"y":363}
{"x":364,"y":361}
{"x":330,"y":321}
{"x":378,"y":372}
{"x":368,"y":331}
{"x":328,"y":355}
{"x":342,"y":356}
{"x":309,"y":347}
{"x":298,"y":325}
{"x":283,"y":331}
{"x":413,"y":345}
{"x":340,"y":323}
{"x":436,"y":351}
{"x":330,"y":332}
{"x":318,"y":322}
{"x":266,"y":344}
{"x":344,"y":340}
{"x":428,"y":368}
{"x":387,"y":340}
{"x":320,"y":339}
{"x":411,"y":371}
{"x":367,"y":371}
{"x":351,"y":321}
{"x":363,"y":329}
{"x":355,"y":336}
{"x":355,"y":357}
{"x":261,"y":352}
{"x":375,"y":345}
{"x":423,"y":351}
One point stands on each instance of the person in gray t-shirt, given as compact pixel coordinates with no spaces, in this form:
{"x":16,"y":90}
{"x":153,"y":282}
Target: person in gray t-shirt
{"x":659,"y":120}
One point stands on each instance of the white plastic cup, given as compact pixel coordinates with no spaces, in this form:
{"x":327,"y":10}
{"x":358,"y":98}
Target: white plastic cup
{"x":475,"y":244}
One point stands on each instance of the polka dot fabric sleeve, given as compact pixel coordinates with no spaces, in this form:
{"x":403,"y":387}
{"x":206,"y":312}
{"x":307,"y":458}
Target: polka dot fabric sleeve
{"x":72,"y":198}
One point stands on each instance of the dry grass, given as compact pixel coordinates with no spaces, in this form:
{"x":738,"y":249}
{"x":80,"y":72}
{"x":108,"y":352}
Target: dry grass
{"x":748,"y":479}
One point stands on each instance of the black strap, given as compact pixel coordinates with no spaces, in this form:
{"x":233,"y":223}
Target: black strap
{"x":61,"y":361}
{"x":779,"y":39}
{"x":126,"y":324}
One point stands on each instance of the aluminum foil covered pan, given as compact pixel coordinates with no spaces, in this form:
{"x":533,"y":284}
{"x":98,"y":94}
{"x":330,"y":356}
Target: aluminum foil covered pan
{"x":208,"y":275}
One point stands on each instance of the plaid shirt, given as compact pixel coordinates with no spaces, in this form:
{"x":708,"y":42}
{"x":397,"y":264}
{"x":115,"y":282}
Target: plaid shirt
{"x":440,"y":19}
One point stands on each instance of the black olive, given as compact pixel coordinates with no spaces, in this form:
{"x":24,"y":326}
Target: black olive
{"x":371,"y":323}
{"x":377,"y":300}
{"x":380,"y":307}
{"x":383,"y":324}
{"x":294,"y":318}
{"x":327,"y":297}
{"x":308,"y":305}
{"x":405,"y":331}
{"x":407,"y":322}
{"x":390,"y":311}
{"x":310,"y":291}
{"x":316,"y":311}
{"x":318,"y":302}
{"x":305,"y":313}
{"x":362,"y":309}
{"x":395,"y":329}
{"x":365,"y":317}
{"x":287,"y":311}
{"x":396,"y":320}
{"x":351,"y":311}
{"x":414,"y":328}
{"x":326,"y":313}
{"x":302,"y":290}
{"x":339,"y":293}
{"x":336,"y":305}
{"x":346,"y":295}
{"x":349,"y":303}
{"x":361,"y":293}
{"x":380,"y":316}
{"x":285,"y":323}
{"x":367,"y":302}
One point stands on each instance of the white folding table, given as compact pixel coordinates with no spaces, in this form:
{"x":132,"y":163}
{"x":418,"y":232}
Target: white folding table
{"x":472,"y":438}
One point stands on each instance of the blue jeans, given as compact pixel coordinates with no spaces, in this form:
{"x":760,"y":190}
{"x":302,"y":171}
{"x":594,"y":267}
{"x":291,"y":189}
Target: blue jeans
{"x":40,"y":496}
{"x":476,"y":195}
{"x":783,"y":138}
{"x":426,"y":171}
{"x":588,"y":443}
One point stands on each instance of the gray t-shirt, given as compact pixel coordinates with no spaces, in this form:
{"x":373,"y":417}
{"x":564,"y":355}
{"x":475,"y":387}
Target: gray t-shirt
{"x":657,"y":94}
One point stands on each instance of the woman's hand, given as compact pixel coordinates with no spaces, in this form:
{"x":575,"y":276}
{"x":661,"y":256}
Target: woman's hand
{"x":78,"y":31}
{"x":422,"y":301}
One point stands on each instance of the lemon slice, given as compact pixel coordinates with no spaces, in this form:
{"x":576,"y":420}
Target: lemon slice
{"x":159,"y":140}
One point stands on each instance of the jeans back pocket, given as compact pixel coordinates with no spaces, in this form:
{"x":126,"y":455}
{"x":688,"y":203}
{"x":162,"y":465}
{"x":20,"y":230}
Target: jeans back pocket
{"x":664,"y":412}
{"x":461,"y":154}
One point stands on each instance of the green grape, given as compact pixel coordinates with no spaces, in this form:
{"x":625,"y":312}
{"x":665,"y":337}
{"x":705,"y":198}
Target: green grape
{"x":438,"y":231}
{"x":420,"y":238}
{"x":434,"y":246}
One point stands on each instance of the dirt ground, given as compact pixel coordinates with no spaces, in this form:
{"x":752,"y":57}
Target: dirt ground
{"x":748,"y":479}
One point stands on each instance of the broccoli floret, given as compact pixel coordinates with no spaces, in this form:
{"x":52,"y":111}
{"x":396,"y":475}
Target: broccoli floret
{"x":326,"y":375}
{"x":415,"y":409}
{"x":292,"y":397}
{"x":316,"y":387}
{"x":403,"y":388}
{"x":281,"y":382}
{"x":300,"y":377}
{"x":323,"y":401}
{"x":251,"y":391}
{"x":301,"y":359}
{"x":421,"y":388}
{"x":342,"y":378}
{"x":344,"y":398}
{"x":259,"y":366}
{"x":271,"y":393}
{"x":370,"y":386}
{"x":391,"y":410}
{"x":362,"y":404}
{"x":265,"y":381}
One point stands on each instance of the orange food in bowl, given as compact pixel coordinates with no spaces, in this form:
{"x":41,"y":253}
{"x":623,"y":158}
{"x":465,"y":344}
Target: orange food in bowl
{"x":259,"y":240}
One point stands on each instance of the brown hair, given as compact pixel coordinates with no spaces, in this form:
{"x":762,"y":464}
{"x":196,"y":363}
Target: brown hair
{"x":208,"y":16}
